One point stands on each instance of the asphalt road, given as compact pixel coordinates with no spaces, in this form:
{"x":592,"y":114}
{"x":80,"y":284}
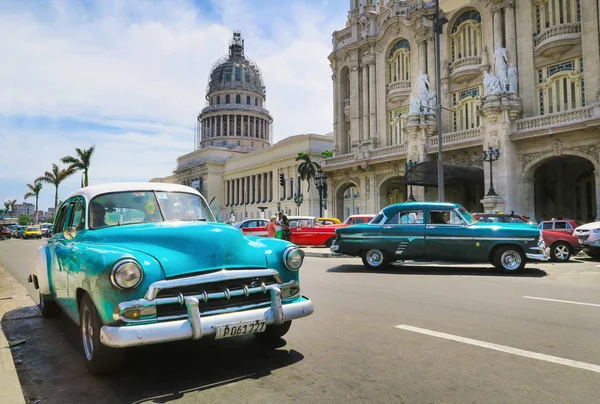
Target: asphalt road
{"x":413,"y":334}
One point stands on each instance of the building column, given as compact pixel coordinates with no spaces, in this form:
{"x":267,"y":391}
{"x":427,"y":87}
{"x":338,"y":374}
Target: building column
{"x":423,"y":57}
{"x":372,"y":101}
{"x":259,"y":186}
{"x":249,"y":132}
{"x":266,"y":187}
{"x":597,"y":183}
{"x":365,"y":102}
{"x":590,"y":48}
{"x":354,"y":107}
{"x":227,"y":119}
{"x":234,"y":193}
{"x":242,"y":125}
{"x":221,"y":128}
{"x":431,"y":64}
{"x":226,"y":193}
{"x":511,"y":34}
{"x":498,"y":28}
{"x":259,"y":128}
{"x":234,"y":124}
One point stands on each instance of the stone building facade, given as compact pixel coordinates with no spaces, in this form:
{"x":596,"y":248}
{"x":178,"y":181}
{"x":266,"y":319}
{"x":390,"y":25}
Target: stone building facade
{"x":544,"y":122}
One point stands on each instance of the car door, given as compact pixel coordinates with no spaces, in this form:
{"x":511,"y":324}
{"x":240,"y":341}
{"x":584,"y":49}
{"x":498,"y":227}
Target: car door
{"x":300,"y":229}
{"x":260,"y":228}
{"x":58,"y":273}
{"x":447,"y":236}
{"x":403,"y":235}
{"x":68,"y":248}
{"x":248,"y":227}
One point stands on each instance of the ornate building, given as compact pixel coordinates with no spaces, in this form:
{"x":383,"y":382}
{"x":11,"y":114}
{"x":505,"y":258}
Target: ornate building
{"x":521,"y":77}
{"x":234,"y":165}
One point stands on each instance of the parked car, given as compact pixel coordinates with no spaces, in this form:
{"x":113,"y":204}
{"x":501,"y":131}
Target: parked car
{"x":435,"y":231}
{"x":562,"y":245}
{"x":46,"y":229}
{"x":5,"y":233}
{"x":253,"y":227}
{"x":589,"y":238}
{"x":502,"y":218}
{"x":18,"y":232}
{"x":32,"y":232}
{"x":357,"y":219}
{"x":144,"y":263}
{"x":329,"y":220}
{"x":306,"y":230}
{"x":566,"y":226}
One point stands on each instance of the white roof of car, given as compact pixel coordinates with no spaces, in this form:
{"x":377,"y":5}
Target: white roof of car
{"x":95,"y":190}
{"x":301,"y":217}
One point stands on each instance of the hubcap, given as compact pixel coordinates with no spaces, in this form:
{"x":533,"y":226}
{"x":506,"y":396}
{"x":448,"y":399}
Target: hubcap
{"x":561,"y":252}
{"x":510,"y":260}
{"x":374,"y":258}
{"x":87,"y":333}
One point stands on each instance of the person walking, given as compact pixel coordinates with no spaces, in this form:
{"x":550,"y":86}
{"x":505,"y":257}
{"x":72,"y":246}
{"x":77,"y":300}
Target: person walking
{"x":271,"y":227}
{"x":279,"y":226}
{"x":287,"y":233}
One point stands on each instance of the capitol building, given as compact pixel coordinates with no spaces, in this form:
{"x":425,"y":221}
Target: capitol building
{"x":519,"y":80}
{"x":235,"y":164}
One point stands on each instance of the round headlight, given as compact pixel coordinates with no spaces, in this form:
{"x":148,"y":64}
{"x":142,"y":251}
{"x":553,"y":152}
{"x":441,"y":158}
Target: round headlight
{"x":293,"y":258}
{"x":126,"y":274}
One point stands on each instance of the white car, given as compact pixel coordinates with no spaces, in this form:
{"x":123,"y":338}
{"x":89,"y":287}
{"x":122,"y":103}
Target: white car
{"x":589,"y":236}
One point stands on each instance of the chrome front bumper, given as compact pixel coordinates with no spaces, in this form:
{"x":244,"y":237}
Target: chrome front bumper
{"x":196,"y":326}
{"x":543,"y":254}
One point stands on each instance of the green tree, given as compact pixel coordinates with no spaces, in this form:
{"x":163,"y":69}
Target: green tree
{"x":327,"y":154}
{"x":80,"y":162}
{"x":24,"y":220}
{"x":55,"y":177}
{"x":307,"y":169}
{"x":34,"y":192}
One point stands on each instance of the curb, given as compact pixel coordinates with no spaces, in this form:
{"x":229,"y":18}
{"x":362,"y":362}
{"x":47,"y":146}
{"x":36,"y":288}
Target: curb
{"x":10,"y":387}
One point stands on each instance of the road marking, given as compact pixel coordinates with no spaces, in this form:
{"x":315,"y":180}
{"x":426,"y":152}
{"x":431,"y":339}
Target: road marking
{"x":503,"y":348}
{"x":561,"y":301}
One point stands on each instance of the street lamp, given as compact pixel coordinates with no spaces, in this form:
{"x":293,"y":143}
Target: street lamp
{"x":407,"y":167}
{"x":278,"y":206}
{"x":490,"y":155}
{"x":321,"y":184}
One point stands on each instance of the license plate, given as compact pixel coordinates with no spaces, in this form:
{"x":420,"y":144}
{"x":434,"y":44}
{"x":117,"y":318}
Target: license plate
{"x":242,"y":328}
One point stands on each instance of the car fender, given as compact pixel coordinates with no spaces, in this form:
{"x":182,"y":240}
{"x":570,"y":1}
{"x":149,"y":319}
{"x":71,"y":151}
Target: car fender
{"x":41,"y":263}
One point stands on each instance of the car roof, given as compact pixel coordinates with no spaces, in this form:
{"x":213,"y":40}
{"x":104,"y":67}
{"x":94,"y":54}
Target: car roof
{"x":301,"y":217}
{"x":95,"y":190}
{"x":420,"y":205}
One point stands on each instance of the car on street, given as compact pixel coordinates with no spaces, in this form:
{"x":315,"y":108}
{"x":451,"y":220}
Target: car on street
{"x":144,"y":263}
{"x":435,"y":231}
{"x":32,"y":232}
{"x":5,"y":232}
{"x":329,"y":220}
{"x":589,"y":238}
{"x":46,"y":229}
{"x":308,"y":231}
{"x":566,"y":226}
{"x":357,"y":219}
{"x":18,"y":231}
{"x":253,"y":227}
{"x":502,"y":218}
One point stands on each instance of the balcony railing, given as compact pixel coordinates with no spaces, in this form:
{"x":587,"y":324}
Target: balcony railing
{"x":470,"y":61}
{"x":234,"y":107}
{"x":462,"y":136}
{"x":342,"y":158}
{"x":399,"y":85}
{"x":556,"y":119}
{"x":389,"y":150}
{"x":557,"y":30}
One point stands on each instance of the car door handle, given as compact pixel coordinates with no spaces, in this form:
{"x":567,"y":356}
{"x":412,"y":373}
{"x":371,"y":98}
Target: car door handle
{"x":387,"y":226}
{"x":430,"y":226}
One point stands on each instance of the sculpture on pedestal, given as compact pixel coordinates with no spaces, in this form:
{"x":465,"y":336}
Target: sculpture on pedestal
{"x":424,"y":96}
{"x":513,"y":79}
{"x":491,"y":84}
{"x":500,"y":64}
{"x":415,"y":105}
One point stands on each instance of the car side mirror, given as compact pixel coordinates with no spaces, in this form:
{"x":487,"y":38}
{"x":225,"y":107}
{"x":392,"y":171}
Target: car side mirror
{"x":69,"y":233}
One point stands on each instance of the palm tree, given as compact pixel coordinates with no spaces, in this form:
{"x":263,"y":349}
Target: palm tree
{"x":327,"y":154}
{"x":308,"y":169}
{"x":81,"y":162}
{"x":11,"y":205}
{"x":34,"y":193}
{"x":55,"y":177}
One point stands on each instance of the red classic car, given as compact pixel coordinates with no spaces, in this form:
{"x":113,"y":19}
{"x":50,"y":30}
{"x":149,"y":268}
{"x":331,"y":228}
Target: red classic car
{"x":306,"y":230}
{"x":562,"y":245}
{"x":566,"y":226}
{"x":357,"y":219}
{"x":253,"y":227}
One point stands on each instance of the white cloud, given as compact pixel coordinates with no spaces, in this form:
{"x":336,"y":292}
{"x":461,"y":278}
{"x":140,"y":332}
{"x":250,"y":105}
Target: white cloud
{"x":142,"y":67}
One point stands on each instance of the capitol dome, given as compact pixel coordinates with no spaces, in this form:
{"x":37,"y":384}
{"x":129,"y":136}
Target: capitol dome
{"x":235,"y":117}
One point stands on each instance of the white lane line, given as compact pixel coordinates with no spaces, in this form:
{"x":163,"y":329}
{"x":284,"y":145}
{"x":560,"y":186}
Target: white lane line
{"x":503,"y":348}
{"x":561,"y":301}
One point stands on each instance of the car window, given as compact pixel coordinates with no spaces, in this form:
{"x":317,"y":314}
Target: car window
{"x":77,"y":217}
{"x":560,"y":225}
{"x":60,"y":219}
{"x":569,"y":225}
{"x":249,"y":223}
{"x":445,"y":216}
{"x":359,"y":220}
{"x":376,"y":219}
{"x":547,"y":226}
{"x":32,"y":228}
{"x":303,"y":223}
{"x":407,"y":217}
{"x":515,"y":219}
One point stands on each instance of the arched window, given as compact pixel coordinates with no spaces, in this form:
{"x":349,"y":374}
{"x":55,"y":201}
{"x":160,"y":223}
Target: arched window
{"x":218,"y":99}
{"x":561,"y":87}
{"x":227,"y":99}
{"x":228,"y":74}
{"x":248,"y":99}
{"x":247,"y":75}
{"x":238,"y":73}
{"x":465,"y":104}
{"x":399,"y":62}
{"x":465,"y":36}
{"x":238,"y":99}
{"x":396,"y":122}
{"x":549,"y":13}
{"x":256,"y":102}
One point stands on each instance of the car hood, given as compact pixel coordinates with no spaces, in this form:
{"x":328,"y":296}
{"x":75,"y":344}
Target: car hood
{"x":589,"y":226}
{"x":185,"y":248}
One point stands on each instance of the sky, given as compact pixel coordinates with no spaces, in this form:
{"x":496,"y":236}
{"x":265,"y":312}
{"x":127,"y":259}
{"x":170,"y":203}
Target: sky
{"x":129,"y":76}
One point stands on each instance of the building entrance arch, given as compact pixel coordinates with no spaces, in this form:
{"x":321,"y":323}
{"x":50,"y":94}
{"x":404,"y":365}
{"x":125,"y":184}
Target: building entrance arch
{"x":347,"y":200}
{"x":391,"y":191}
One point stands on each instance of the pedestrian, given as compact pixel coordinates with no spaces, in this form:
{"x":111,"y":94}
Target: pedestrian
{"x":287,"y":233}
{"x":279,"y":226}
{"x":271,"y":227}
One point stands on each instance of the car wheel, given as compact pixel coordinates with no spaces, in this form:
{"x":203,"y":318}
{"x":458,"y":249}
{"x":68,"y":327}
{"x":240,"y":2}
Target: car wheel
{"x":274,"y":332}
{"x":560,"y":252}
{"x":49,"y":308}
{"x":99,"y":358}
{"x":375,"y":259}
{"x":509,"y":259}
{"x":329,"y":242}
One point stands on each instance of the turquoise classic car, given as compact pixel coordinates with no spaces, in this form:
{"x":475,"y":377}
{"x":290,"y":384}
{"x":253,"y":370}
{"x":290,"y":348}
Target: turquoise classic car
{"x":433,"y":231}
{"x":145,"y":263}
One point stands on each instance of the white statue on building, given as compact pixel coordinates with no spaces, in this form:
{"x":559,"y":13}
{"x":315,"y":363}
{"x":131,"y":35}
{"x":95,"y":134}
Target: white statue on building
{"x":513,"y":79}
{"x":500,"y":64}
{"x":491,"y":84}
{"x":423,"y":86}
{"x":415,"y":105}
{"x":425,"y":96}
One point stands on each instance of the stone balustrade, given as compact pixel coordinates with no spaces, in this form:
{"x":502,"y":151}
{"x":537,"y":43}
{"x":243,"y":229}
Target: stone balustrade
{"x":556,"y":119}
{"x":470,"y":61}
{"x":557,"y":30}
{"x":342,"y":158}
{"x":460,"y":137}
{"x":389,"y":150}
{"x":399,"y":85}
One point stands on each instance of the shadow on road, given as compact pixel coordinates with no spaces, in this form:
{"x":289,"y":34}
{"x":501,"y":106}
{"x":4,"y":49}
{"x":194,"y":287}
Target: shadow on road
{"x":51,"y":369}
{"x":408,"y":269}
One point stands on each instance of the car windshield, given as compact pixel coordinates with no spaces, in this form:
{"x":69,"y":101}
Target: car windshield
{"x":120,"y":208}
{"x":470,"y":219}
{"x":32,"y":228}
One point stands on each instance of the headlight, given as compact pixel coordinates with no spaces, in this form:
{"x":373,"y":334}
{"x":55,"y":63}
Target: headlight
{"x":293,"y":258}
{"x":126,"y":274}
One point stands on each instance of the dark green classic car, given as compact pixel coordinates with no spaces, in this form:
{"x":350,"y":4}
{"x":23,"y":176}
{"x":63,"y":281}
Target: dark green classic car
{"x":434,"y":231}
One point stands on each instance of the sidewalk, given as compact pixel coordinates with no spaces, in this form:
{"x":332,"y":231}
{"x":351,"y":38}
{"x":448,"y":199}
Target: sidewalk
{"x":12,"y":296}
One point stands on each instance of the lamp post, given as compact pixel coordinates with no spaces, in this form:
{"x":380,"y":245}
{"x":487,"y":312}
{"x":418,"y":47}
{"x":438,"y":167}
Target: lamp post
{"x":298,"y":197}
{"x":407,"y":167}
{"x":490,"y":155}
{"x":278,"y":206}
{"x":321,"y":184}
